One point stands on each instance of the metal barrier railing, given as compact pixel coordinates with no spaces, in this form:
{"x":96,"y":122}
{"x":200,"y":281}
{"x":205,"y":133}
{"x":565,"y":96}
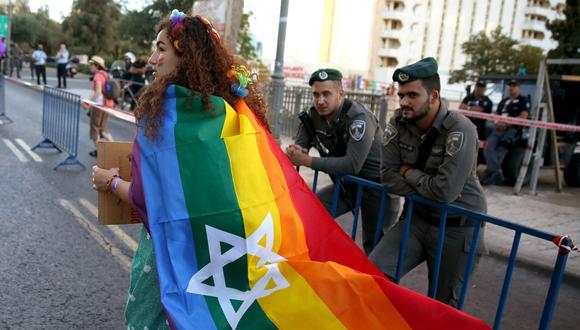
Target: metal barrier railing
{"x":299,"y":98}
{"x":60,"y":123}
{"x":4,"y":119}
{"x":564,"y":243}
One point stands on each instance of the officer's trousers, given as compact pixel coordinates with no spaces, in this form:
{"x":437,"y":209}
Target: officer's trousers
{"x":495,"y":150}
{"x":370,"y":207}
{"x":422,"y":246}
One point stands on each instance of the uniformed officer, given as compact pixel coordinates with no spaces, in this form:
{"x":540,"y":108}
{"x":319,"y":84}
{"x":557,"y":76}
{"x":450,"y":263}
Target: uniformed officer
{"x":430,"y":151}
{"x":479,"y":102}
{"x":349,"y":138}
{"x":503,"y":135}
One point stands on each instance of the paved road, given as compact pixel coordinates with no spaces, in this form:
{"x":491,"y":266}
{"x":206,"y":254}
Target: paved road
{"x":59,"y":269}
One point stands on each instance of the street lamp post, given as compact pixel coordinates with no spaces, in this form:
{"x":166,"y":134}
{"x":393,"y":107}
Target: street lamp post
{"x":278,"y":76}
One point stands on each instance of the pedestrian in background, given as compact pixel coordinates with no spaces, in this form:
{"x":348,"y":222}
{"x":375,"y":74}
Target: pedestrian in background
{"x":432,"y":152}
{"x":61,"y":62}
{"x":39,"y":57}
{"x":98,"y":122}
{"x":16,"y":55}
{"x":350,"y":144}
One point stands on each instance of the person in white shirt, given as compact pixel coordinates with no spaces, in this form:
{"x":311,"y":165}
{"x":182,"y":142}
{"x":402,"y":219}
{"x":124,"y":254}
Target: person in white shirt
{"x":61,"y":62}
{"x":39,"y":57}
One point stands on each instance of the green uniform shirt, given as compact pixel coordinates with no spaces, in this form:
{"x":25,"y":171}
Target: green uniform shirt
{"x":353,"y":138}
{"x":449,"y":174}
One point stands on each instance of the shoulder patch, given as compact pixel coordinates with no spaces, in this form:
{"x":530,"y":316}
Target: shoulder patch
{"x":357,"y":129}
{"x":454,"y":143}
{"x":389,"y":134}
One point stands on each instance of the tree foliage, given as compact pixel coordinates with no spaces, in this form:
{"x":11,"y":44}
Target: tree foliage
{"x":94,"y":24}
{"x":495,"y":54}
{"x":567,"y":34}
{"x":29,"y":29}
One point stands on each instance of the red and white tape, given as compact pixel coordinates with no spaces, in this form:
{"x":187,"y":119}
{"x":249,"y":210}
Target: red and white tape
{"x":519,"y":121}
{"x":123,"y":115}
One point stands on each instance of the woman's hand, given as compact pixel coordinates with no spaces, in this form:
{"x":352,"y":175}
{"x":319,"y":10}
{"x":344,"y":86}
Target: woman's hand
{"x":102,"y":177}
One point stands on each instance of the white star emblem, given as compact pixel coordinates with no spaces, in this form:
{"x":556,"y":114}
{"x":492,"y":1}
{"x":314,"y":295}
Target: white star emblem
{"x":240,"y":247}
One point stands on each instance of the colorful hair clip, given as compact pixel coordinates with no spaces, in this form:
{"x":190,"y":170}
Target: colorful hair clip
{"x":176,"y":20}
{"x":177,"y":46}
{"x":240,"y":78}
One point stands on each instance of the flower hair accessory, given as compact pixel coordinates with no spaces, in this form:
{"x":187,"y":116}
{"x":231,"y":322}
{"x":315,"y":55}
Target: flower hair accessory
{"x":240,"y":78}
{"x":176,"y":20}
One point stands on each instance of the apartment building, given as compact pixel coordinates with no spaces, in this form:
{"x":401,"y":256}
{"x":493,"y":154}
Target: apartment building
{"x":408,"y":30}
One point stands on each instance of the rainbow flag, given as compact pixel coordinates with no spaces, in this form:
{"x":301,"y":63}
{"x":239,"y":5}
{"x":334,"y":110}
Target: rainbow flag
{"x":241,"y":242}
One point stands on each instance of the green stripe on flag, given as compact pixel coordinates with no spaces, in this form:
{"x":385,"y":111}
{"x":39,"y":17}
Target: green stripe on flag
{"x":211,"y":200}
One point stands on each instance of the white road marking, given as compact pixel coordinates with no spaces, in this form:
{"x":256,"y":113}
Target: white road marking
{"x":121,"y":258}
{"x":28,"y":150}
{"x":15,"y":150}
{"x":120,"y":233}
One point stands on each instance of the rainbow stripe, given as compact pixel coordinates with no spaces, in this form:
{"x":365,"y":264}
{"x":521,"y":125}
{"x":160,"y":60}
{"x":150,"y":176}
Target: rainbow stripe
{"x":241,"y":241}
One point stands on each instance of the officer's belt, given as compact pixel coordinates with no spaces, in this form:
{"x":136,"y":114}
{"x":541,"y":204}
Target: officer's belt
{"x":452,"y":221}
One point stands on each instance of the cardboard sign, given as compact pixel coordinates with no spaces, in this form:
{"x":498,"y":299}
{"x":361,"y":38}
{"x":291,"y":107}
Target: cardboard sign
{"x":113,"y":211}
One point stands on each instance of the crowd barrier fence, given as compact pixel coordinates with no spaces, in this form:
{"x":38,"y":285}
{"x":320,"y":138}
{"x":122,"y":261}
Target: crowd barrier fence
{"x":565,"y":245}
{"x":4,"y":119}
{"x":60,"y":123}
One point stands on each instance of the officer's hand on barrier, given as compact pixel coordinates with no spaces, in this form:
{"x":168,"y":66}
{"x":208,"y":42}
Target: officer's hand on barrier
{"x":102,"y":178}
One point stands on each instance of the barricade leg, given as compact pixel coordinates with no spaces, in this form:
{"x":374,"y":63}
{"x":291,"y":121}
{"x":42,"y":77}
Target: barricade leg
{"x":507,"y":280}
{"x":552,"y":297}
{"x":404,"y":240}
{"x":46,"y":144}
{"x":71,"y":160}
{"x":380,"y":219}
{"x":470,"y":261}
{"x":440,"y":242}
{"x":359,"y":192}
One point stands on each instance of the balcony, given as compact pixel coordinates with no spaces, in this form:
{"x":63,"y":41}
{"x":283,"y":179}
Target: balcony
{"x":546,"y":12}
{"x":395,"y":14}
{"x":544,"y":44}
{"x":390,"y":52}
{"x":534,"y":25}
{"x":391,"y":33}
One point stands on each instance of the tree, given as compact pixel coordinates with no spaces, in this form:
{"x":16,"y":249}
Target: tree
{"x":529,"y":57}
{"x":28,"y":29}
{"x":486,"y":55}
{"x":246,"y":47}
{"x":566,"y":33}
{"x":137,"y":30}
{"x":94,"y":24}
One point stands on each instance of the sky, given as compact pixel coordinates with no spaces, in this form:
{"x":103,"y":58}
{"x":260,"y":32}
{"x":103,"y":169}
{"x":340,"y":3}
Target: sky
{"x":303,"y":30}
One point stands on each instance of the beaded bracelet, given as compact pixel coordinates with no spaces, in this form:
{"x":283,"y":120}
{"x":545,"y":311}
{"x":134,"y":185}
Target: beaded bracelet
{"x":114,"y":184}
{"x":110,"y":181}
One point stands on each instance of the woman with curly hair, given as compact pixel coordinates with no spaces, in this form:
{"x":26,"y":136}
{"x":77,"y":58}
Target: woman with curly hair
{"x":194,"y":76}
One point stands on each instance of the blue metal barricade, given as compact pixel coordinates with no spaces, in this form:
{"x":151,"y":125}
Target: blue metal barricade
{"x":4,"y":119}
{"x":478,"y":219}
{"x":60,"y":123}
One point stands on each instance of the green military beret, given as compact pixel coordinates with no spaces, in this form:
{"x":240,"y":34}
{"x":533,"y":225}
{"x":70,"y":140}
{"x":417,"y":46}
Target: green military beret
{"x":324,"y":75}
{"x":423,"y":69}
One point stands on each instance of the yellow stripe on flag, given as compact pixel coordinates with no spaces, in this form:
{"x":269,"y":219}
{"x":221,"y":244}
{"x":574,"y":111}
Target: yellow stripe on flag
{"x":249,"y":175}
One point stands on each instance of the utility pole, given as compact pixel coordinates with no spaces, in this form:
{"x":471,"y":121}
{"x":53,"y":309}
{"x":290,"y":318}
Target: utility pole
{"x":278,"y":75}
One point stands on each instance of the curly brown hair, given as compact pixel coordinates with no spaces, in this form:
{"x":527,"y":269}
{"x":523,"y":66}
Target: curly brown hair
{"x":202,"y":68}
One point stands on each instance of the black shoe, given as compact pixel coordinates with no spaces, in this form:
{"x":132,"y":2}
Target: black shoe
{"x":93,"y":153}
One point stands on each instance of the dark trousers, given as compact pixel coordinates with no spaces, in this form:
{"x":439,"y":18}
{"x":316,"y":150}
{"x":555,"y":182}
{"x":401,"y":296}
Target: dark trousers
{"x":370,"y":207}
{"x":495,"y":150}
{"x":40,"y":70}
{"x":61,"y":74}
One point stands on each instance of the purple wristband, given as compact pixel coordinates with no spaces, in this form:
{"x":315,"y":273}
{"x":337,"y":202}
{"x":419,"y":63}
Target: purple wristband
{"x":114,"y":184}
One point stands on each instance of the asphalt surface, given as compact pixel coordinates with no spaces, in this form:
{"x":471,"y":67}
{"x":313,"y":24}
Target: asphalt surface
{"x":59,"y":269}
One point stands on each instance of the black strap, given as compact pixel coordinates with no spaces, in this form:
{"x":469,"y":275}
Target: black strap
{"x":425,"y":148}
